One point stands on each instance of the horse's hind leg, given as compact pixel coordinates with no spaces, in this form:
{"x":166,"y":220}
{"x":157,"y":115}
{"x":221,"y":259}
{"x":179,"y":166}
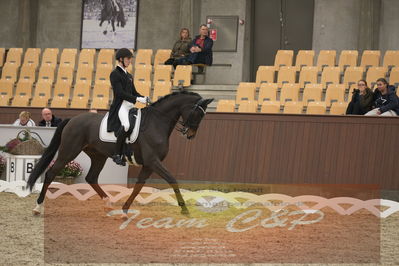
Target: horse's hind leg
{"x":164,"y":173}
{"x":66,"y":153}
{"x":144,"y":174}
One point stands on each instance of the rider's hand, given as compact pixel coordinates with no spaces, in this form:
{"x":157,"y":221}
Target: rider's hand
{"x":142,"y":99}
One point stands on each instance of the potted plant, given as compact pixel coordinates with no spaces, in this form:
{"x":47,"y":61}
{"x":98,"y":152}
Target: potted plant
{"x":69,"y":172}
{"x":3,"y":165}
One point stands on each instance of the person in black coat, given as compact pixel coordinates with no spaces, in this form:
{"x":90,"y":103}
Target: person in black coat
{"x":49,"y":120}
{"x":125,"y":96}
{"x":386,"y":102}
{"x":362,"y":99}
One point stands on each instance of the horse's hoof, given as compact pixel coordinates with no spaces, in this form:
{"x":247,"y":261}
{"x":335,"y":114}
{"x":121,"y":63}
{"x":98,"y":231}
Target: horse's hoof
{"x":35,"y":212}
{"x":185,"y":212}
{"x":105,"y":32}
{"x":124,"y":217}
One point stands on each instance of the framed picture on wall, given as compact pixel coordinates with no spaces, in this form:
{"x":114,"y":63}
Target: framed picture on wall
{"x":109,"y":24}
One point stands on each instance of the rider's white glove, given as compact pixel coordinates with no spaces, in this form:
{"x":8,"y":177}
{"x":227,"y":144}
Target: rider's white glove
{"x":142,"y":99}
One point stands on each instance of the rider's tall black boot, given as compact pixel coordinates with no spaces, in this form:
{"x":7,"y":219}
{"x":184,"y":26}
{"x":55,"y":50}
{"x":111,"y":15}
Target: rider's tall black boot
{"x":119,"y":157}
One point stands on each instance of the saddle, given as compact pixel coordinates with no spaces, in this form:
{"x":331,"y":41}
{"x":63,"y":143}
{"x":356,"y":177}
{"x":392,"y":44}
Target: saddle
{"x":134,"y":119}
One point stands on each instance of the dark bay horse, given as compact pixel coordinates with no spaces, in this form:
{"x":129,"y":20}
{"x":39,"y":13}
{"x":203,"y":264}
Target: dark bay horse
{"x":158,"y":121}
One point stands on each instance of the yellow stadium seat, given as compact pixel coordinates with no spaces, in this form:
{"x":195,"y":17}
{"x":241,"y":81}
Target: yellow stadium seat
{"x":245,"y":92}
{"x":86,"y":57}
{"x":247,"y":107}
{"x":84,"y":73}
{"x":143,"y":57}
{"x":348,"y":58}
{"x":304,"y":58}
{"x":50,"y":56}
{"x":338,"y":108}
{"x":24,"y":87}
{"x":267,"y":92}
{"x":312,"y":92}
{"x":293,"y":108}
{"x":4,"y":98}
{"x":283,"y":58}
{"x":81,"y":88}
{"x":265,"y":74}
{"x":46,"y":73}
{"x":143,"y":73}
{"x":81,"y":95}
{"x":316,"y":108}
{"x":9,"y":72}
{"x":32,"y":56}
{"x":2,"y":54}
{"x":226,"y":106}
{"x":287,"y":74}
{"x":394,"y":77}
{"x":143,"y":87}
{"x":68,"y":57}
{"x":6,"y":91}
{"x":42,"y":94}
{"x":14,"y":56}
{"x":375,"y":73}
{"x":102,"y":73}
{"x":62,"y":90}
{"x":161,"y":89}
{"x":182,"y":76}
{"x":335,"y":92}
{"x":161,"y":56}
{"x":391,"y":59}
{"x":353,"y":75}
{"x":60,"y":101}
{"x":28,"y":72}
{"x":20,"y":100}
{"x":105,"y":58}
{"x":162,"y":73}
{"x":65,"y":74}
{"x":370,"y":58}
{"x":307,"y":75}
{"x":330,"y":75}
{"x":289,"y":92}
{"x":326,"y":58}
{"x":100,"y":97}
{"x":272,"y":107}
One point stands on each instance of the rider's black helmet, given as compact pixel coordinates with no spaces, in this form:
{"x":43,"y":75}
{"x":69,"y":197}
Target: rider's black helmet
{"x":122,"y":53}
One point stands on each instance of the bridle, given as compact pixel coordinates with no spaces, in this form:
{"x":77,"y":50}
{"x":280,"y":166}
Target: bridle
{"x":186,"y":125}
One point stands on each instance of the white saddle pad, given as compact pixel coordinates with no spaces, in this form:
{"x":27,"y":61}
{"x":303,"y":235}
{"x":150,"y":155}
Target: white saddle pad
{"x":110,"y":136}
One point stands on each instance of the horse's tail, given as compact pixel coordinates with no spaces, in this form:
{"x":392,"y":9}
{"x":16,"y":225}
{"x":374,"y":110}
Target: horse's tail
{"x":47,"y":156}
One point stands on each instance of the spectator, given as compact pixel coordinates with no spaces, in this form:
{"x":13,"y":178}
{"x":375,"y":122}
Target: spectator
{"x":200,"y":49}
{"x":386,"y":103}
{"x":24,"y":120}
{"x":181,"y":47}
{"x":49,"y":120}
{"x":362,"y":99}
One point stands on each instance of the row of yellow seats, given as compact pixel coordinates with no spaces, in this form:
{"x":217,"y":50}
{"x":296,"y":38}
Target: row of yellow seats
{"x":351,"y":75}
{"x":291,"y":107}
{"x":86,"y":56}
{"x":348,"y":58}
{"x":291,"y":92}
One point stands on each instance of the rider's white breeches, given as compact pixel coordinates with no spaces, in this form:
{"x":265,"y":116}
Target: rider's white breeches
{"x":124,"y":114}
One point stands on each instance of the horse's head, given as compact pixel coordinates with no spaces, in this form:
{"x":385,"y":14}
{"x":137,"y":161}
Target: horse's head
{"x":192,"y":115}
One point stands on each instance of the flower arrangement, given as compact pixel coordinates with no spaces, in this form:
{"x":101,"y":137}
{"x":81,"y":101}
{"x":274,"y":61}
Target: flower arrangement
{"x":2,"y":164}
{"x":72,"y":169}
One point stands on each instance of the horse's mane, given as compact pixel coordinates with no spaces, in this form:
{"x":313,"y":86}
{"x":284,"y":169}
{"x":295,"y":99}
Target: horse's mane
{"x":174,"y":94}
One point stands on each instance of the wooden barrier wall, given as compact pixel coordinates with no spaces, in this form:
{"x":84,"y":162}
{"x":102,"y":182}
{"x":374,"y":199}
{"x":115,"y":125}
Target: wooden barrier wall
{"x":282,"y":149}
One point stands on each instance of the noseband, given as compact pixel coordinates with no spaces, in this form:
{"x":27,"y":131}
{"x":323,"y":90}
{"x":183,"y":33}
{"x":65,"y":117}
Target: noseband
{"x":186,"y":125}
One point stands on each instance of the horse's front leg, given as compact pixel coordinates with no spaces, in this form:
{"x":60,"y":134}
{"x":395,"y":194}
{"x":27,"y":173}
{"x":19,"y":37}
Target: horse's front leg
{"x":144,"y":174}
{"x":158,"y":168}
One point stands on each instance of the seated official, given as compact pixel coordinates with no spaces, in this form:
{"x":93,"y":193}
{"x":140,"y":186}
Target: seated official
{"x":24,"y":120}
{"x":362,"y":99}
{"x":200,"y":49}
{"x":49,"y":120}
{"x":386,"y":102}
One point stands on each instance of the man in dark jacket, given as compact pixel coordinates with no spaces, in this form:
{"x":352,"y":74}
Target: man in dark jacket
{"x":386,"y":102}
{"x":125,"y":96}
{"x":49,"y":120}
{"x":200,"y":50}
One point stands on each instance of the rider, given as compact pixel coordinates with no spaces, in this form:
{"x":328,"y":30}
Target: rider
{"x":125,"y":96}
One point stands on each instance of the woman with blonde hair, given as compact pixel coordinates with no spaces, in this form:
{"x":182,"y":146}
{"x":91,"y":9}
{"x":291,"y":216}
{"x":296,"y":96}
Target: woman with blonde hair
{"x":181,"y":48}
{"x":24,"y":120}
